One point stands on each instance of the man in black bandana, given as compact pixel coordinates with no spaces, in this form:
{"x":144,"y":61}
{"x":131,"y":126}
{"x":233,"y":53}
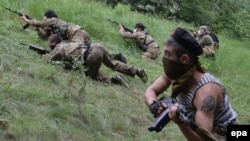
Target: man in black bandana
{"x":194,"y":88}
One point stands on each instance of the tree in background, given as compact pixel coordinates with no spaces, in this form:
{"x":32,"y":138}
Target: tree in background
{"x":229,"y":17}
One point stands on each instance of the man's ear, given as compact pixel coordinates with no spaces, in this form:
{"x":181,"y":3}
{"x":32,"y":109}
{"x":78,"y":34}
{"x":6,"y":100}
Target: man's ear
{"x":184,"y":59}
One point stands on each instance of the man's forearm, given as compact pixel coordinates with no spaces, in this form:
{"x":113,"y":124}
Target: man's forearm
{"x":149,"y":98}
{"x":189,"y":133}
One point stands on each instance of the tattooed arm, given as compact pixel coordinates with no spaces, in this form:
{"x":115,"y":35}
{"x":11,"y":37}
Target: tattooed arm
{"x":207,"y":98}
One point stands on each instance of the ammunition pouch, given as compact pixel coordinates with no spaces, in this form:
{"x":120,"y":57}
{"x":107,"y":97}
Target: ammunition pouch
{"x":143,"y":47}
{"x":61,"y":30}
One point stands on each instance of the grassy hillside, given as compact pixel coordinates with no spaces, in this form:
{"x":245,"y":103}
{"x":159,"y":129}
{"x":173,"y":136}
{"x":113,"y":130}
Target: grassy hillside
{"x":43,"y":102}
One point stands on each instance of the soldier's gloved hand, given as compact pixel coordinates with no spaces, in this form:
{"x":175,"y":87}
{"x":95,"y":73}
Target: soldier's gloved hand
{"x":154,"y":107}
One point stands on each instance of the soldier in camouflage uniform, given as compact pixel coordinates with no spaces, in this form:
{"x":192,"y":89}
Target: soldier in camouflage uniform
{"x":52,"y":24}
{"x":144,"y":41}
{"x":92,"y":57}
{"x":206,"y":42}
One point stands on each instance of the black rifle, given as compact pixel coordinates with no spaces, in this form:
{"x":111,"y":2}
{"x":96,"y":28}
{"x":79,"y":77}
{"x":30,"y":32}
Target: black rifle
{"x":162,"y":120}
{"x":116,"y":23}
{"x":37,"y":49}
{"x":20,"y":14}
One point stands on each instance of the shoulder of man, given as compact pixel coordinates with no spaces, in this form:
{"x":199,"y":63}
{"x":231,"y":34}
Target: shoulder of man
{"x":60,"y":46}
{"x":206,"y":93}
{"x":50,"y":20}
{"x":141,"y":34}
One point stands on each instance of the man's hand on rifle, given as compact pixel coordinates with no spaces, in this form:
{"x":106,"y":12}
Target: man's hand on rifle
{"x":120,"y":26}
{"x":172,"y":114}
{"x":24,"y":18}
{"x":156,"y":108}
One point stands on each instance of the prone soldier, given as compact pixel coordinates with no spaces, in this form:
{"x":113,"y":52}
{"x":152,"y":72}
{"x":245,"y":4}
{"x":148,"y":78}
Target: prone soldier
{"x":144,"y":41}
{"x":52,"y":24}
{"x":91,"y":57}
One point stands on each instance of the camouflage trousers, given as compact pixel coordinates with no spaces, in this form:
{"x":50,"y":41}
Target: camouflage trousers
{"x":97,"y":55}
{"x":151,"y":53}
{"x":81,"y":36}
{"x":208,"y":51}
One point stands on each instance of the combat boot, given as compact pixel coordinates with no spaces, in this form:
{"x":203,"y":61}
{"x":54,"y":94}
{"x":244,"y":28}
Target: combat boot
{"x":141,"y":73}
{"x":119,"y":57}
{"x":4,"y":124}
{"x":118,"y":80}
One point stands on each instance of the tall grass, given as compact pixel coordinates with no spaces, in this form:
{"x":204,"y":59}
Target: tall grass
{"x":44,"y":102}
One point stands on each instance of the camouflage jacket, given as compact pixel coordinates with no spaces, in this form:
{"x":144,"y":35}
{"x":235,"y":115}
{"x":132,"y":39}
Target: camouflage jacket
{"x":139,"y":37}
{"x":42,"y":33}
{"x":69,"y":29}
{"x":205,"y":40}
{"x":66,"y":51}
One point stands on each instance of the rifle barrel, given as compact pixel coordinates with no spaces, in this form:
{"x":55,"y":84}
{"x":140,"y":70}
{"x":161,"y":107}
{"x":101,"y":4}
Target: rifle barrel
{"x":23,"y":44}
{"x":112,"y":21}
{"x":116,"y":23}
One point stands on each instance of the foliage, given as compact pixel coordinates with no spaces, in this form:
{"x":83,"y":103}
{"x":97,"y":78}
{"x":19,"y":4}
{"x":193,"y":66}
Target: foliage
{"x":233,"y":19}
{"x":163,"y":8}
{"x":225,"y":16}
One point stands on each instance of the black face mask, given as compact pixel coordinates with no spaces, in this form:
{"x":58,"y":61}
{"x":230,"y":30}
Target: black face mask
{"x":174,"y":69}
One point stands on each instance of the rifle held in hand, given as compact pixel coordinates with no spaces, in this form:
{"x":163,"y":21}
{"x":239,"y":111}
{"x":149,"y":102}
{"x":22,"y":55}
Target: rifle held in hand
{"x":19,"y":14}
{"x":37,"y":49}
{"x":163,"y":119}
{"x":116,"y":23}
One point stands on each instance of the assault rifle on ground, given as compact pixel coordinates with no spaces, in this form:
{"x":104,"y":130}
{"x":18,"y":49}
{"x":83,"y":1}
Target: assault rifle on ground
{"x":37,"y":49}
{"x":163,"y":119}
{"x":116,"y":23}
{"x":19,"y":14}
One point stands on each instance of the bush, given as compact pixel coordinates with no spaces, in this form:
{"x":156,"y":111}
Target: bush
{"x":221,"y":16}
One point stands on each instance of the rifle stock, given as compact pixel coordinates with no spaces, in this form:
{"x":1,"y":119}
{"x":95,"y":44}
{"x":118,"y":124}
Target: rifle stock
{"x":116,"y":23}
{"x":37,"y":49}
{"x":19,"y":14}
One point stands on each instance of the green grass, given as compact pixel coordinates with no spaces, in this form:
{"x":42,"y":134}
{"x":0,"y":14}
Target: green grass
{"x":44,"y":102}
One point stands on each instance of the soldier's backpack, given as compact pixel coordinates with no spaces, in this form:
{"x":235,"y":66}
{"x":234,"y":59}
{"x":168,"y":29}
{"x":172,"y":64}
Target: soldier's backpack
{"x":214,"y":37}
